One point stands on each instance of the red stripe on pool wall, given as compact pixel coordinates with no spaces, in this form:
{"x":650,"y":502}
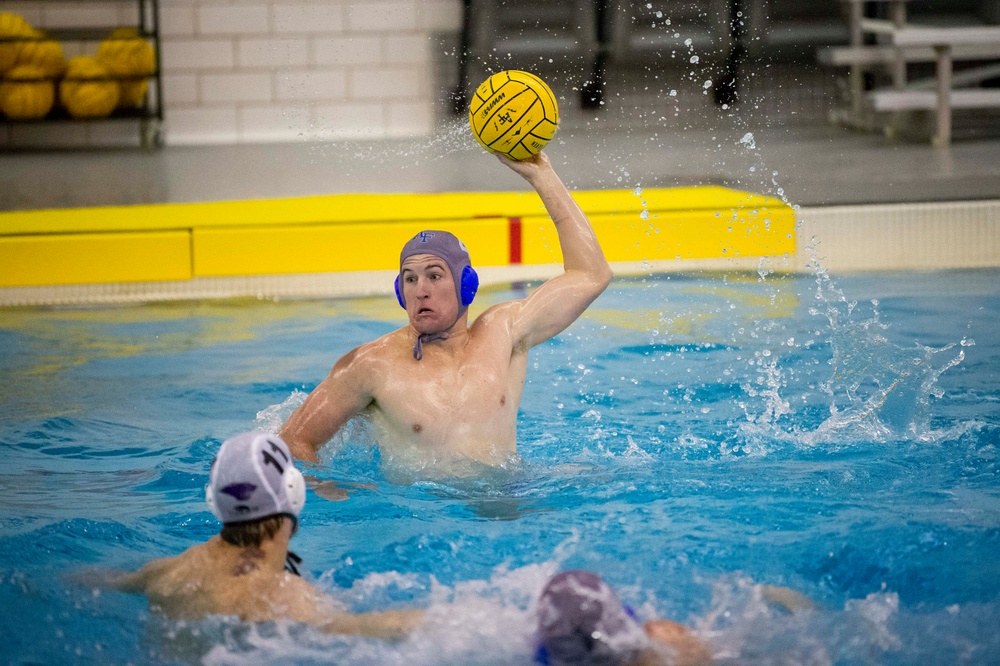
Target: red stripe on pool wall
{"x":514,"y":225}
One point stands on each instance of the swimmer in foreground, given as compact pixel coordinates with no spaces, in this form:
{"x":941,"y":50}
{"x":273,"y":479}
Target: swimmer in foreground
{"x":257,"y":493}
{"x":441,"y":386}
{"x":582,"y":621}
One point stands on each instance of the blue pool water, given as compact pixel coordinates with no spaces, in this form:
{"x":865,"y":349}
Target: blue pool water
{"x":689,"y":438}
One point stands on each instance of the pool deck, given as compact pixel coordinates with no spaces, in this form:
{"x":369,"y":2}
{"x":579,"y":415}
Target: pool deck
{"x":814,"y":163}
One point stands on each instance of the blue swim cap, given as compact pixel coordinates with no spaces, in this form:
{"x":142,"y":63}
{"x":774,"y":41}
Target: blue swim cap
{"x":445,"y":246}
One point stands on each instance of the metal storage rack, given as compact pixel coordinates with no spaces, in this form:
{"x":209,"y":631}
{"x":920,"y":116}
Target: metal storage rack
{"x":149,"y":116}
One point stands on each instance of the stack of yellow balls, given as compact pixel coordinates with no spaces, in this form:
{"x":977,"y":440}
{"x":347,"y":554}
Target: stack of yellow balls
{"x":12,"y":27}
{"x":89,"y":86}
{"x":46,"y":54}
{"x":29,"y":65}
{"x":88,"y":91}
{"x":131,"y":60}
{"x":26,"y":93}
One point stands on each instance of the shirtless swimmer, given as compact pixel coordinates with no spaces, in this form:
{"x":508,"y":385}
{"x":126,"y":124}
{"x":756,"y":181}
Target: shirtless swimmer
{"x":246,"y":570}
{"x":440,"y":386}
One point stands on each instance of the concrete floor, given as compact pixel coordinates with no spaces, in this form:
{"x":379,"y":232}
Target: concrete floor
{"x":776,"y":142}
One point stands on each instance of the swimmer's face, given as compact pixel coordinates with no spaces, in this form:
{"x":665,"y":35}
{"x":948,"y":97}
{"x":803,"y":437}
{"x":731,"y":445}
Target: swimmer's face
{"x":429,"y":292}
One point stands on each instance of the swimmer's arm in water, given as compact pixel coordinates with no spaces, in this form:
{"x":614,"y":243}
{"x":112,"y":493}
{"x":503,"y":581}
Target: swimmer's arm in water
{"x":345,"y":392}
{"x":132,"y":582}
{"x":684,"y":648}
{"x":305,"y":603}
{"x":333,"y":490}
{"x":788,"y":598}
{"x":386,"y":624}
{"x":561,"y":300}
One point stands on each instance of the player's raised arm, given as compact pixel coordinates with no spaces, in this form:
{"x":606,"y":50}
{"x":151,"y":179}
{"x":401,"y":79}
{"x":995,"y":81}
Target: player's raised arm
{"x":562,"y":299}
{"x":343,"y":394}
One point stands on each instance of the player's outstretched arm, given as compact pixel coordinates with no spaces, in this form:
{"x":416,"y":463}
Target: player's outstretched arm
{"x":343,"y":394}
{"x":684,"y":648}
{"x":561,"y":300}
{"x":392,"y":624}
{"x":132,"y":582}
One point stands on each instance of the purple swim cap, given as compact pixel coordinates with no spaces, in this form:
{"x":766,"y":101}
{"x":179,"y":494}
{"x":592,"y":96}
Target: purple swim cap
{"x":445,"y":246}
{"x":582,"y":621}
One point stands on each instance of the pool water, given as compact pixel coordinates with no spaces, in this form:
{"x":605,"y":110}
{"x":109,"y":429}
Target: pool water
{"x":691,"y":437}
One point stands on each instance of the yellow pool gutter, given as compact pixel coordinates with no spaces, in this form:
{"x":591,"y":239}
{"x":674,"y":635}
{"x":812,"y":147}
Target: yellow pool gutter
{"x":346,"y":238}
{"x":348,"y":245}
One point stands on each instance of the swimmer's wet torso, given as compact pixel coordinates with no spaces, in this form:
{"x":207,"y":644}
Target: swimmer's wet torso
{"x":440,"y":387}
{"x":460,"y":399}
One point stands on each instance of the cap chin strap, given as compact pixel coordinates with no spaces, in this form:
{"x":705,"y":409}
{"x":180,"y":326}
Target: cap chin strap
{"x":418,"y":346}
{"x":422,"y":338}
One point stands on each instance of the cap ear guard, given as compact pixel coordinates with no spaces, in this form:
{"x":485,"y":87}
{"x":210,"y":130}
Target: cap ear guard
{"x":470,"y":285}
{"x":210,"y":494}
{"x":399,"y":294}
{"x":295,"y":489}
{"x":210,"y":499}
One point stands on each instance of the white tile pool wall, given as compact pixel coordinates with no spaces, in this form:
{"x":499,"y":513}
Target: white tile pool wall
{"x":251,"y":71}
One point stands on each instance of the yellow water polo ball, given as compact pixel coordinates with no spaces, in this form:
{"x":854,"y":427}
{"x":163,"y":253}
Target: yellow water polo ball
{"x":87,"y":91}
{"x":12,"y":27}
{"x":46,"y":54}
{"x":26,"y":93}
{"x":514,"y":113}
{"x":132,"y":60}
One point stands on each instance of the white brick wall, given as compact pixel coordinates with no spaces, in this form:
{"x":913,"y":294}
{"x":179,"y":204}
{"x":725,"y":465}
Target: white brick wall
{"x":280,"y":70}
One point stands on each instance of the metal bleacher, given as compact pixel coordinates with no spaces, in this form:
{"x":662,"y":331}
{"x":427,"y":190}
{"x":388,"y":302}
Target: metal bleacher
{"x":888,"y":62}
{"x":588,"y":35}
{"x":902,"y":57}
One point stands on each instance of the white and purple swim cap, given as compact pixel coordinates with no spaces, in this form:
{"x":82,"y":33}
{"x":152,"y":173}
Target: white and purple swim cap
{"x":446,"y":246}
{"x":582,"y":621}
{"x":253,"y":476}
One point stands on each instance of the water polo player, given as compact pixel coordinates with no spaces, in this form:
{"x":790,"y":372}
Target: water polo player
{"x":440,"y":388}
{"x":257,"y":493}
{"x":582,"y":622}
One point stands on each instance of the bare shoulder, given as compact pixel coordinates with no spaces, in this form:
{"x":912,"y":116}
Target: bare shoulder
{"x":368,"y":361}
{"x":195,"y":558}
{"x":150,"y":576}
{"x":499,"y":316}
{"x":513,"y":322}
{"x":370,"y":354}
{"x":292,"y":597}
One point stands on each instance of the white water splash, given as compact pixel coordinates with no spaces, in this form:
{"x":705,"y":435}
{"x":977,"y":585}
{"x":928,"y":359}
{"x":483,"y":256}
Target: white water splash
{"x":358,"y":430}
{"x":478,"y":621}
{"x":746,"y":623}
{"x":270,"y":419}
{"x":876,"y":391}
